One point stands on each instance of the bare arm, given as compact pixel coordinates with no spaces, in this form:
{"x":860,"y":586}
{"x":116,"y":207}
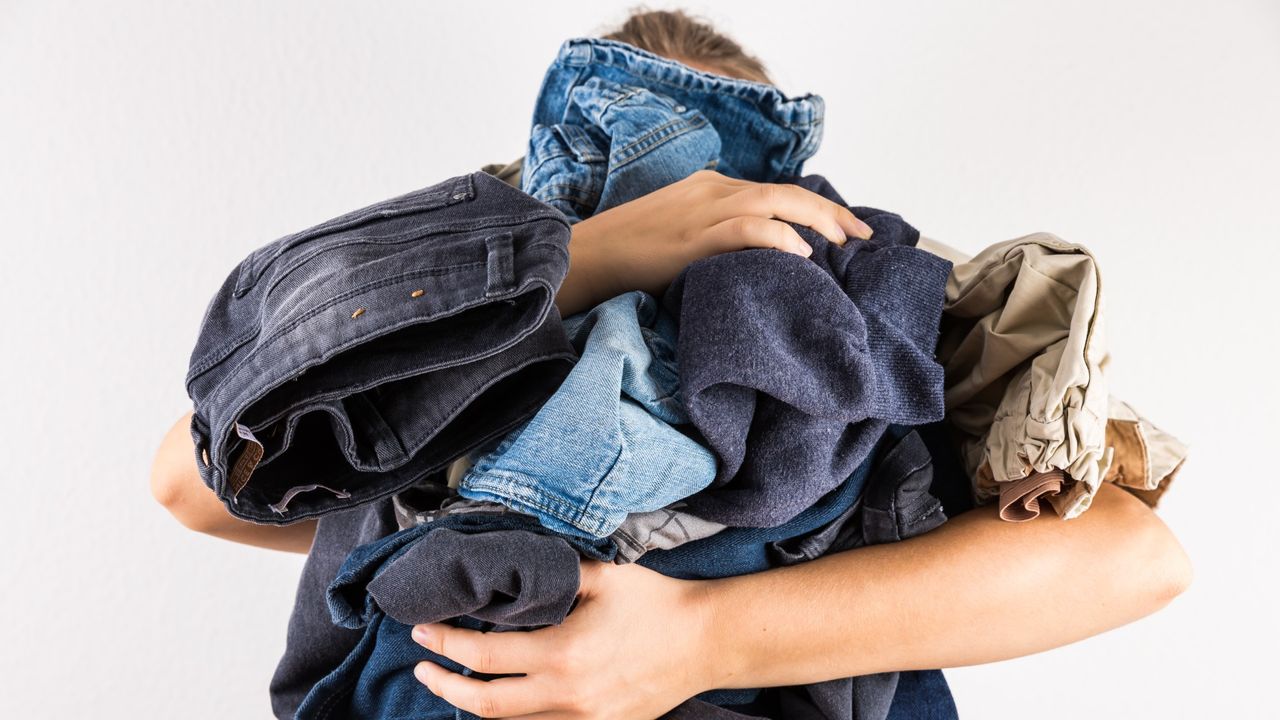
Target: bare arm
{"x":975,"y":590}
{"x":176,"y":484}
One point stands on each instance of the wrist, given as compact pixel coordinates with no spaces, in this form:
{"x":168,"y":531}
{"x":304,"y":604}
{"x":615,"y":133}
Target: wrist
{"x":721,"y":660}
{"x":588,"y":281}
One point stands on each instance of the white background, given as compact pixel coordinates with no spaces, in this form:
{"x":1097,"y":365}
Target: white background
{"x":146,"y":147}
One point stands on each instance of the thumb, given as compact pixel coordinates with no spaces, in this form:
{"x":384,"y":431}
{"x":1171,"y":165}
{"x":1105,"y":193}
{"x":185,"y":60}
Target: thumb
{"x":590,"y":574}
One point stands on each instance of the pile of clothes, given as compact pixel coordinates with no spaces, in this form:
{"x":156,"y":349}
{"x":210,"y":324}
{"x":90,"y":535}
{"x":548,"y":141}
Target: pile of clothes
{"x":402,"y":373}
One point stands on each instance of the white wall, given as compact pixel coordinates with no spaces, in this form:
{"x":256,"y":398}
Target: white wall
{"x":145,"y":147}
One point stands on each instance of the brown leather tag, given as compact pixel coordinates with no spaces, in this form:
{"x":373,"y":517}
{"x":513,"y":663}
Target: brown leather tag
{"x":247,"y":461}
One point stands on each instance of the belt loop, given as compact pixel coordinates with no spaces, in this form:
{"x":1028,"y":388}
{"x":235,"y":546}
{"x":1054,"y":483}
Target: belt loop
{"x":501,"y":265}
{"x":579,"y":142}
{"x":575,"y":53}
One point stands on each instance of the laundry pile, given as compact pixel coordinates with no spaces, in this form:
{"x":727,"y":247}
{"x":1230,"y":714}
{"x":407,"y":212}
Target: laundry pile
{"x":402,"y":373}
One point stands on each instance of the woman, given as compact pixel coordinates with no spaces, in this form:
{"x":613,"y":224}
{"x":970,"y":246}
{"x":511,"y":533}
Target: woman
{"x":975,"y":590}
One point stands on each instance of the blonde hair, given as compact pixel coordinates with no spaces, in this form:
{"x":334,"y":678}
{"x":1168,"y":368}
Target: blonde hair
{"x":675,"y":35}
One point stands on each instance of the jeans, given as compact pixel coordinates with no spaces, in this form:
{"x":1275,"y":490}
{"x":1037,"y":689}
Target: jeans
{"x":639,"y":533}
{"x":791,"y":367}
{"x":606,"y":444}
{"x":370,"y":350}
{"x":613,"y":122}
{"x":315,"y":645}
{"x":479,"y":570}
{"x":508,"y":569}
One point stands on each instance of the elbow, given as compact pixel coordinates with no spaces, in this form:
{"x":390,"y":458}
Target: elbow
{"x":176,"y":484}
{"x":169,"y":488}
{"x":166,"y":487}
{"x":1156,"y":566}
{"x":1173,"y":568}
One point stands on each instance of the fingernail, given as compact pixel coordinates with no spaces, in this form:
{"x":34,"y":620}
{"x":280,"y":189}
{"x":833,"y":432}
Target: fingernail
{"x":869,"y":232}
{"x":420,"y":672}
{"x":421,"y":635}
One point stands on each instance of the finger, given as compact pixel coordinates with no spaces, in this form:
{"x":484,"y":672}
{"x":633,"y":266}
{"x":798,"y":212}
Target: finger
{"x":493,"y":652}
{"x":795,"y":204}
{"x":749,"y":231}
{"x":852,"y":226}
{"x":502,"y":697}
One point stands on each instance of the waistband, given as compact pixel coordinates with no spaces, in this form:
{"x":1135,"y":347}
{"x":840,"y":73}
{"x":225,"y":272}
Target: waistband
{"x":726,"y":102}
{"x":802,"y":111}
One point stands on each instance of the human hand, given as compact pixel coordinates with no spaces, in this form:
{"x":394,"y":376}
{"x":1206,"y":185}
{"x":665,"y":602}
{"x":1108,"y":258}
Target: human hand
{"x":633,"y":648}
{"x":645,"y":243}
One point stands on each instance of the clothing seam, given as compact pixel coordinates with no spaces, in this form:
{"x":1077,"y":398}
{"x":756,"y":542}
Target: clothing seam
{"x":479,"y":302}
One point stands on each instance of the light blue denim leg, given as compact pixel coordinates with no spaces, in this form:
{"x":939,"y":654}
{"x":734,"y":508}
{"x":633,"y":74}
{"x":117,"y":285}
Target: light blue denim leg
{"x":604,"y":445}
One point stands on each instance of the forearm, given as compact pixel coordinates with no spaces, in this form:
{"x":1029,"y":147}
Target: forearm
{"x":975,"y":590}
{"x":176,"y":484}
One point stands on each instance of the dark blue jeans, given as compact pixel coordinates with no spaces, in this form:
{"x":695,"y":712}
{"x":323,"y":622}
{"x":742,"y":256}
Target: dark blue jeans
{"x":478,"y":570}
{"x":506,"y":571}
{"x":345,"y":362}
{"x":315,"y":645}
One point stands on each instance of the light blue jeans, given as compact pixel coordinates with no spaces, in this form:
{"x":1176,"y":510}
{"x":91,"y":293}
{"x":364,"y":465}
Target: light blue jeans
{"x":606,"y":444}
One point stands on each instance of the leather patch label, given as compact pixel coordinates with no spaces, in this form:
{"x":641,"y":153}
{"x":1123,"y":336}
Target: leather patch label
{"x":247,"y":461}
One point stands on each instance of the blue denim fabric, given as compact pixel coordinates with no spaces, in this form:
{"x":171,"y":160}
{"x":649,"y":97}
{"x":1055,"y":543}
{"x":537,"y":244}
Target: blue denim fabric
{"x":791,"y":367}
{"x":484,"y":571}
{"x":376,"y":678}
{"x":923,"y":695}
{"x":315,"y":645}
{"x":392,"y":583}
{"x":366,"y":352}
{"x":613,"y":122}
{"x":603,"y":446}
{"x":951,"y":483}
